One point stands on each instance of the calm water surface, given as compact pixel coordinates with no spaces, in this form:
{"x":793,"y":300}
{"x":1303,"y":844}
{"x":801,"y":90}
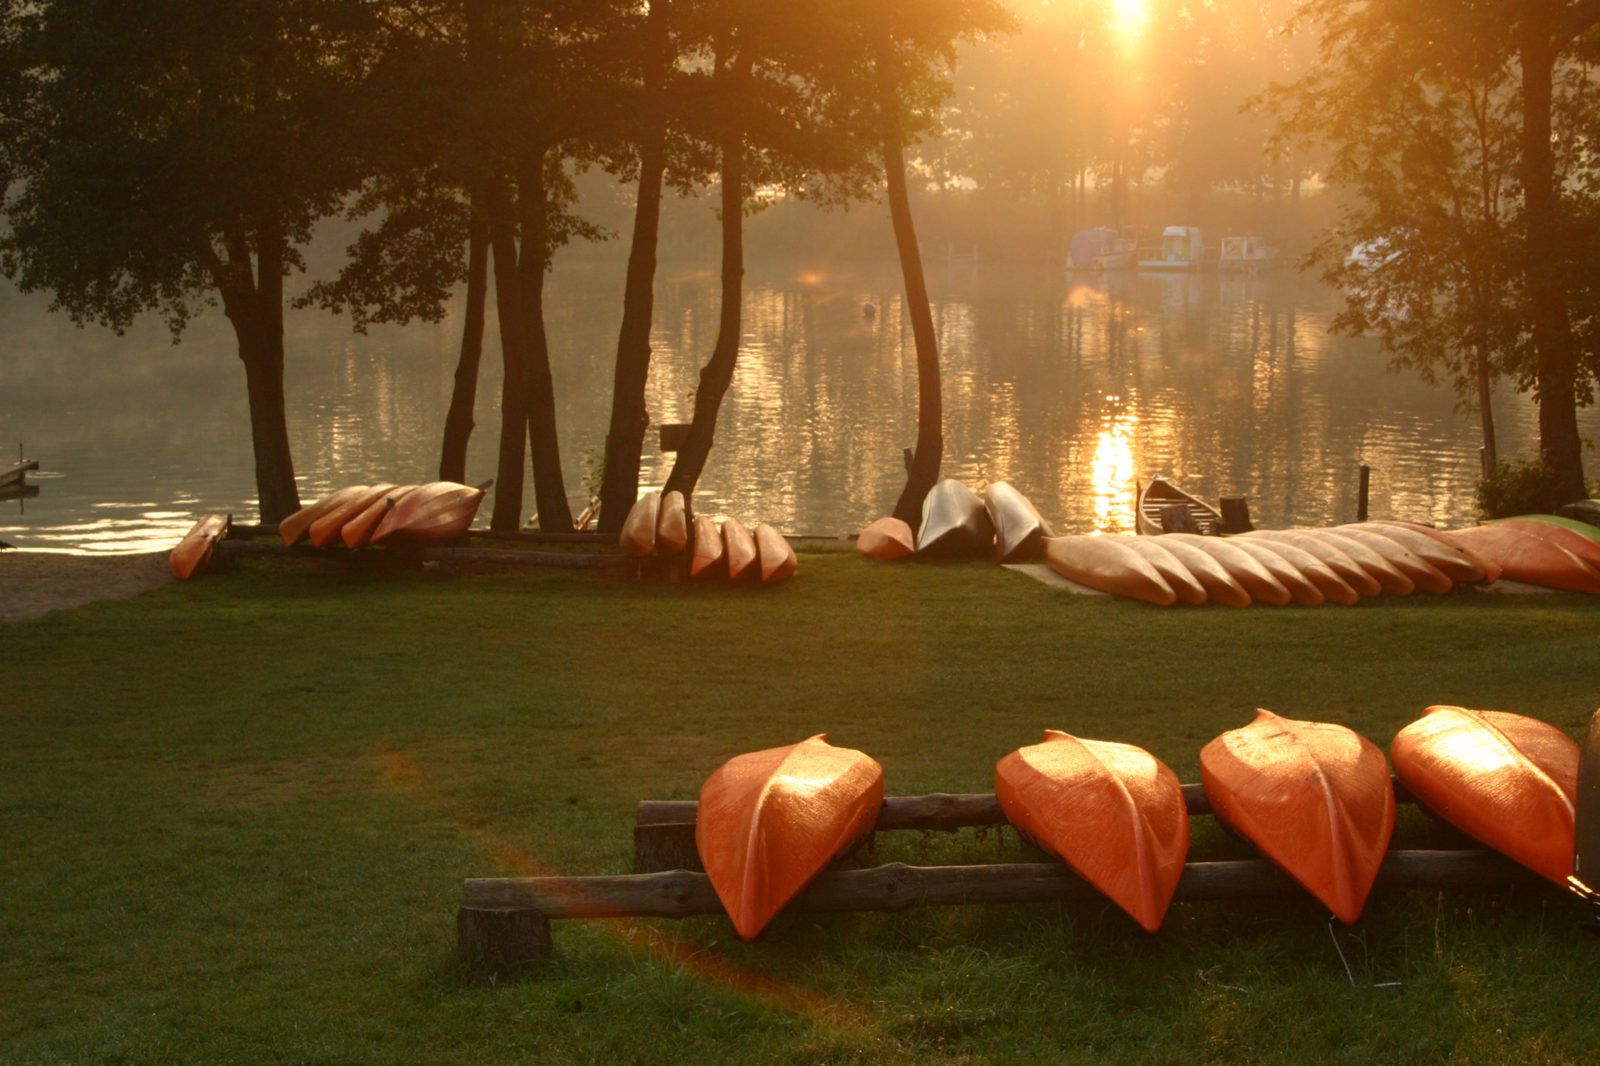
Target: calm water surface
{"x":1068,"y":390}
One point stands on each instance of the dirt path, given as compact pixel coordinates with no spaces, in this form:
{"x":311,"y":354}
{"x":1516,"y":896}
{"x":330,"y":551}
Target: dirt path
{"x":34,"y":583}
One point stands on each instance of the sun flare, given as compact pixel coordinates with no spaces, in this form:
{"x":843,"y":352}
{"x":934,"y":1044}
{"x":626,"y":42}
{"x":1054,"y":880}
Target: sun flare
{"x":1128,"y":17}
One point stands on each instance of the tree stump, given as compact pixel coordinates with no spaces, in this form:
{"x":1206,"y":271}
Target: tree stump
{"x":501,"y":939}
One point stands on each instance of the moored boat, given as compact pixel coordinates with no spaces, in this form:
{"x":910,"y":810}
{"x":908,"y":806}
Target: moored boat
{"x":1182,"y":248}
{"x":672,"y":525}
{"x":330,"y":524}
{"x":1019,"y":530}
{"x":357,"y":533}
{"x":886,"y":540}
{"x":710,"y":558}
{"x":955,"y":523}
{"x":1108,"y":565}
{"x":195,"y":549}
{"x":777,"y":558}
{"x":436,"y":513}
{"x":770,"y":821}
{"x":1113,"y":812}
{"x":1160,"y":494}
{"x":741,"y":550}
{"x":639,"y":528}
{"x":1313,"y":796}
{"x":1506,"y":780}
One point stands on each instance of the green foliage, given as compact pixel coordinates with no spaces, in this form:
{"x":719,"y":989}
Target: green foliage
{"x":1522,"y":487}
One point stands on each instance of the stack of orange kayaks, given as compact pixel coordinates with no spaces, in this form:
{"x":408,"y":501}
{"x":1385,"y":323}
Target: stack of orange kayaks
{"x":434,"y":513}
{"x":1113,"y":812}
{"x":659,"y":524}
{"x":1313,"y":796}
{"x":330,"y":525}
{"x":297,"y":525}
{"x":886,"y":540}
{"x":357,"y":533}
{"x":1503,"y":779}
{"x":195,"y":549}
{"x":770,"y":821}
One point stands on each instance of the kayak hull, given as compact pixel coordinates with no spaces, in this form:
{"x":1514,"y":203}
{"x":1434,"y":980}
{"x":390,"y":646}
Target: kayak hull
{"x":672,"y":525}
{"x":740,"y":548}
{"x":436,"y":513}
{"x":194,"y":551}
{"x":1107,"y":565}
{"x":1522,"y":556}
{"x":777,"y":559}
{"x":1019,"y":530}
{"x":955,"y":524}
{"x":886,"y":540}
{"x":638,"y":537}
{"x":357,"y":533}
{"x":330,"y":526}
{"x":710,"y":557}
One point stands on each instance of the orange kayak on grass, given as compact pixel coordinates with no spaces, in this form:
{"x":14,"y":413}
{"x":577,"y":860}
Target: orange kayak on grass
{"x":1113,"y":812}
{"x":437,"y":513}
{"x":710,"y":556}
{"x":357,"y":533}
{"x":1503,"y":779}
{"x":639,"y":528}
{"x":741,"y":550}
{"x":1221,"y":586}
{"x":1423,"y":574}
{"x":1106,"y":564}
{"x":770,"y":821}
{"x":1302,"y":590}
{"x":1525,"y":557}
{"x":1240,"y":564}
{"x":1328,"y":554}
{"x":1443,"y":550}
{"x":778,"y":561}
{"x":1583,"y":546}
{"x":1393,"y":580}
{"x":297,"y":525}
{"x":194,"y":550}
{"x":1332,"y":587}
{"x":672,"y":525}
{"x":330,"y":524}
{"x":887,"y":540}
{"x":1184,"y":584}
{"x":1313,"y":796}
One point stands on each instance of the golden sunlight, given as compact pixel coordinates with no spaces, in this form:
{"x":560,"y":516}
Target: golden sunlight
{"x":1128,"y":18}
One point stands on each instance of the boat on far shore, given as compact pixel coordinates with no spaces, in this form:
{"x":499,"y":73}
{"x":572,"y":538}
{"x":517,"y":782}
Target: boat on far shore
{"x":1182,"y":248}
{"x":1248,"y":255}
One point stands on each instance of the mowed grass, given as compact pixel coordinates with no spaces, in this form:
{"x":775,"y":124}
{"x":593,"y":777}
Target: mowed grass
{"x":235,"y":814}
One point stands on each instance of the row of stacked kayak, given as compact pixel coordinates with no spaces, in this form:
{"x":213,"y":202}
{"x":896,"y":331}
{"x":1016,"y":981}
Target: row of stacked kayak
{"x":659,"y":524}
{"x":1315,"y":798}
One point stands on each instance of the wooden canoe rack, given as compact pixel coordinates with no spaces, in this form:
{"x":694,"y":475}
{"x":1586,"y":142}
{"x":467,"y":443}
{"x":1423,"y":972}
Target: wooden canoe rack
{"x":504,"y":922}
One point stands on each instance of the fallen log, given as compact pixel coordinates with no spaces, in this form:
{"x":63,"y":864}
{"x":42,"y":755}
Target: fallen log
{"x":506,"y":556}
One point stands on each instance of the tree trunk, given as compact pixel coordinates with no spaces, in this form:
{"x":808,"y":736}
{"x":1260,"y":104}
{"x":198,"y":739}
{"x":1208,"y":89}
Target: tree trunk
{"x":926,"y":460}
{"x":1555,"y":353}
{"x":717,"y":374}
{"x":549,"y":487}
{"x":629,"y":419}
{"x":514,"y":392}
{"x":458,"y":422}
{"x":1491,"y":455}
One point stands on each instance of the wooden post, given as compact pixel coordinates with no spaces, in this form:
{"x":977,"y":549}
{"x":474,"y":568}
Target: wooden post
{"x":665,"y":846}
{"x":1236,"y":514}
{"x":501,"y":939}
{"x":1361,"y":494}
{"x":1175,"y":518}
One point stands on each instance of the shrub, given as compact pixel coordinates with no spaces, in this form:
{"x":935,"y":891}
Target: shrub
{"x":1523,"y":487}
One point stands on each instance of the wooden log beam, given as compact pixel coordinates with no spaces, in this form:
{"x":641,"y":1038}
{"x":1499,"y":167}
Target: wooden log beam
{"x":507,"y":556}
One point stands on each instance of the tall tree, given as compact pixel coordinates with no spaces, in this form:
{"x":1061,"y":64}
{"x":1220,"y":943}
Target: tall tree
{"x":173,"y":154}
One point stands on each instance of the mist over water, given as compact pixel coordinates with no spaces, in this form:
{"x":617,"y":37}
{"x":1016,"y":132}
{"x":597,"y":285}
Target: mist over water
{"x":1068,"y":388}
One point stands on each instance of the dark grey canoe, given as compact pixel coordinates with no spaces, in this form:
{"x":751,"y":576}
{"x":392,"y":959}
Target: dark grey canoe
{"x":955,"y":524}
{"x":1019,"y":530}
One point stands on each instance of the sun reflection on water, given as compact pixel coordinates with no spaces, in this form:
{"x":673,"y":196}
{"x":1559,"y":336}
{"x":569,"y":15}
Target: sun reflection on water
{"x":1112,"y":471}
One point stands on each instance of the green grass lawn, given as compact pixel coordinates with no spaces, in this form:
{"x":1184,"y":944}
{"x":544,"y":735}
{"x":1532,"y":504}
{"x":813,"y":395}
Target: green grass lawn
{"x":236,"y":815}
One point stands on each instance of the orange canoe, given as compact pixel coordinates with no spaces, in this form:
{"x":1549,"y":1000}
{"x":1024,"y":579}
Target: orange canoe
{"x":770,"y":821}
{"x":1506,"y":780}
{"x":1583,"y":546}
{"x":1393,"y":580}
{"x":1185,"y":585}
{"x":1302,"y":590}
{"x":1525,"y":557}
{"x":330,"y":524}
{"x":1423,"y":574}
{"x":886,"y":540}
{"x":1313,"y":796}
{"x":1328,"y":554}
{"x":672,"y":525}
{"x":1107,"y":564}
{"x":710,"y":555}
{"x":778,"y":561}
{"x":194,"y":550}
{"x":639,"y":528}
{"x":1113,"y":812}
{"x":1221,"y":586}
{"x":1255,"y":579}
{"x":436,"y":513}
{"x":297,"y":525}
{"x":1442,"y":549}
{"x":1329,"y":585}
{"x":357,"y":533}
{"x":741,"y":550}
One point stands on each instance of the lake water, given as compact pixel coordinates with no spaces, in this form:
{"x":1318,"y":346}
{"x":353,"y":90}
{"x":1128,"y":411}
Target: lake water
{"x":1069,"y":390}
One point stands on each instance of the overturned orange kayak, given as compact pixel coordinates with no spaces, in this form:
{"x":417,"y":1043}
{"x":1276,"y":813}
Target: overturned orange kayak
{"x":297,"y":525}
{"x":1457,"y":561}
{"x":1113,"y":812}
{"x":1185,"y":585}
{"x":1390,"y":577}
{"x":1221,"y":586}
{"x":1313,"y":796}
{"x":1423,"y":574}
{"x":741,"y":550}
{"x":1580,"y":544}
{"x":1329,"y":584}
{"x":639,"y":528}
{"x":1522,"y":556}
{"x":886,"y":540}
{"x":436,"y":513}
{"x":1108,"y":565}
{"x":770,"y":821}
{"x":672,"y":525}
{"x":1504,"y":779}
{"x":194,"y":550}
{"x":1329,"y":555}
{"x":1302,"y":590}
{"x":330,"y":524}
{"x":357,"y":533}
{"x":710,"y":556}
{"x":1019,"y":530}
{"x":778,"y":561}
{"x":1254,"y":578}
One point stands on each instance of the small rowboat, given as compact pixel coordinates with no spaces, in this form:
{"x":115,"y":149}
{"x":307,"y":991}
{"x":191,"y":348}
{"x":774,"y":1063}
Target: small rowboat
{"x":740,"y":548}
{"x":297,"y":525}
{"x":710,"y":558}
{"x":1254,"y":578}
{"x":1221,"y":586}
{"x":1113,"y":812}
{"x":1184,"y":584}
{"x":778,"y":561}
{"x":330,"y":524}
{"x":194,"y":550}
{"x":357,"y":533}
{"x":1019,"y":531}
{"x":436,"y":513}
{"x":672,"y":525}
{"x":639,"y":528}
{"x":886,"y":540}
{"x":1503,"y":779}
{"x":1313,"y":796}
{"x":1160,"y":494}
{"x":1107,"y":564}
{"x":1522,"y":556}
{"x":955,"y":523}
{"x":769,"y":821}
